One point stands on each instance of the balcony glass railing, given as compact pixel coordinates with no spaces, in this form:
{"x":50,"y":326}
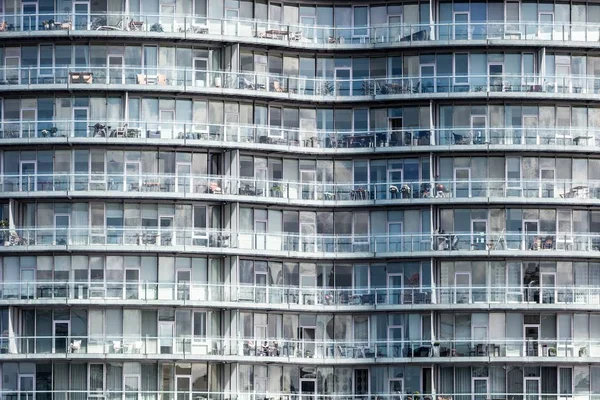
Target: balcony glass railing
{"x":301,"y":296}
{"x":244,"y":135}
{"x":251,"y":187}
{"x":191,"y":239}
{"x":251,"y":83}
{"x":533,"y":392}
{"x":201,"y":346}
{"x":250,"y":29}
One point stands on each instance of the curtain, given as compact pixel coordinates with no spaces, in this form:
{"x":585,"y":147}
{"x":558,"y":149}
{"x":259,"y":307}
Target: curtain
{"x":79,"y":381}
{"x":446,"y":381}
{"x":80,"y":223}
{"x":114,"y":380}
{"x":549,"y":383}
{"x":149,"y":382}
{"x":61,"y":381}
{"x":463,"y":382}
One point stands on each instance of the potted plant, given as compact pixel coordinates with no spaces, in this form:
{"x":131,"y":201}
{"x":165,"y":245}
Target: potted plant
{"x":51,"y":132}
{"x":436,"y":349}
{"x":276,"y":190}
{"x":551,"y":351}
{"x":583,"y":351}
{"x":5,"y":233}
{"x":156,"y":27}
{"x":406,"y":192}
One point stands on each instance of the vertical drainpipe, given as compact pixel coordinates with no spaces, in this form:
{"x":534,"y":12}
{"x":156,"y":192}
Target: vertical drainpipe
{"x":431,"y":15}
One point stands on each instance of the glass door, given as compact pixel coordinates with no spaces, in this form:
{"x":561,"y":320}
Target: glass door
{"x":308,"y":389}
{"x":308,"y":26}
{"x":427,"y":78}
{"x":184,"y":279}
{"x":183,"y":387}
{"x":308,"y":337}
{"x":462,"y":182}
{"x":167,"y":118}
{"x":396,"y":388}
{"x":395,"y":28}
{"x":260,"y":228}
{"x":260,"y":175}
{"x":26,"y":387}
{"x":546,"y":25}
{"x":184,"y":171}
{"x":27,"y":176}
{"x":61,"y":337}
{"x":132,"y":283}
{"x":61,"y":229}
{"x":308,"y":180}
{"x":260,"y":283}
{"x":81,"y":11}
{"x":462,"y":287}
{"x":200,"y":72}
{"x":133,"y":177}
{"x":80,"y":122}
{"x":115,"y":72}
{"x":479,"y":129}
{"x":30,"y":16}
{"x":167,"y":17}
{"x":342,"y":82}
{"x":530,"y":131}
{"x":531,"y":235}
{"x":495,"y":77}
{"x":547,"y":183}
{"x":461,"y":26}
{"x":12,"y":67}
{"x":231,"y":25}
{"x":394,"y":189}
{"x":532,"y":388}
{"x":395,"y":236}
{"x":165,"y":333}
{"x":165,"y":231}
{"x":548,"y":287}
{"x":308,"y":238}
{"x":395,"y":283}
{"x":28,"y":122}
{"x":132,"y":387}
{"x":308,"y":284}
{"x":395,"y":337}
{"x":532,"y":337}
{"x":478,"y":234}
{"x":480,"y":389}
{"x":563,"y":81}
{"x":27,"y":283}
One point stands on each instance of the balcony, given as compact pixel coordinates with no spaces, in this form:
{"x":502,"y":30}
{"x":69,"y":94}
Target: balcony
{"x":311,"y":36}
{"x":299,"y":245}
{"x":299,"y":88}
{"x":248,"y":296}
{"x":220,"y":187}
{"x":534,"y":392}
{"x":292,"y":350}
{"x":256,"y":137}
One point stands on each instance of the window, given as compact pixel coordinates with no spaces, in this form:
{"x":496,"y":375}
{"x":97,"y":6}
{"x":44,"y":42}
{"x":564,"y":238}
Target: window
{"x":199,"y":326}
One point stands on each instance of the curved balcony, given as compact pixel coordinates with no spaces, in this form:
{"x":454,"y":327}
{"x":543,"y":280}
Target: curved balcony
{"x":247,"y":296}
{"x":192,"y":27}
{"x":301,"y":245}
{"x":225,"y":188}
{"x":186,"y":394}
{"x":257,"y":137}
{"x":324,"y":89}
{"x":293,"y":350}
